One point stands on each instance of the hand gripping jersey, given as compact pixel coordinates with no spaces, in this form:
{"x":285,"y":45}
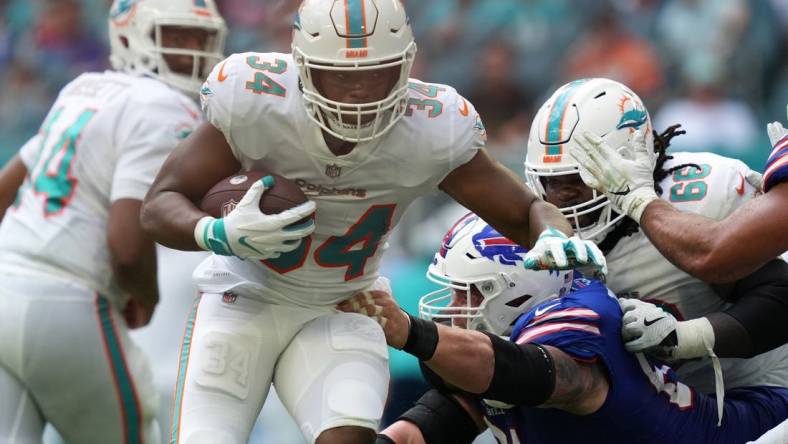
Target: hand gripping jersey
{"x":104,"y":139}
{"x":777,"y":165}
{"x":645,"y":404}
{"x":637,"y":269}
{"x":254,"y":99}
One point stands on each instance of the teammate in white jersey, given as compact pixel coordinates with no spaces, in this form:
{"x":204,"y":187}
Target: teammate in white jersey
{"x":702,"y":183}
{"x":342,"y":119}
{"x":78,"y":271}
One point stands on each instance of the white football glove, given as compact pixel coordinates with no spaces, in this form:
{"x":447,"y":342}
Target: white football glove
{"x":553,"y":250}
{"x":249,"y":234}
{"x":628,"y":184}
{"x":776,"y":132}
{"x":648,"y":328}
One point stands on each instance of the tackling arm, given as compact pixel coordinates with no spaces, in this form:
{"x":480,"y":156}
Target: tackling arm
{"x":169,"y":212}
{"x":721,"y":251}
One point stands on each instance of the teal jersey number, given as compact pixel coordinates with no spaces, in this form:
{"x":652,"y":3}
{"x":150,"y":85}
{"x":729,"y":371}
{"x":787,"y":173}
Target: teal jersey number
{"x":689,"y":185}
{"x":433,"y":106}
{"x":53,"y":178}
{"x":351,"y":250}
{"x":263,"y":84}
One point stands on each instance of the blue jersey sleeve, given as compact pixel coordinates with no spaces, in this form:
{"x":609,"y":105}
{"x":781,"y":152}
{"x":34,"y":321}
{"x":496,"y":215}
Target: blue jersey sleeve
{"x":776,"y":170}
{"x":566,"y":324}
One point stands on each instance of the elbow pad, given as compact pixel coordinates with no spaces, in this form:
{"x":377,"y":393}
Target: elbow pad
{"x":524,"y":374}
{"x":441,"y":419}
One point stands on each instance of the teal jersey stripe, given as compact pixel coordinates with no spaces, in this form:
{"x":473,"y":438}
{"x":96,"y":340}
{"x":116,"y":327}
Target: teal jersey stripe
{"x":183,"y":363}
{"x":356,"y":23}
{"x":130,"y":408}
{"x":557,"y":117}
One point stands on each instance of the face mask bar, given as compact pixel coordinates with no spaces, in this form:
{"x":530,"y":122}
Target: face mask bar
{"x":203,"y":60}
{"x":331,"y":115}
{"x":437,"y":305}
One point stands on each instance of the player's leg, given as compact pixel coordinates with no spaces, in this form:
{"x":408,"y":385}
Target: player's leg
{"x":777,"y":435}
{"x":230,"y":347}
{"x":333,"y":378}
{"x":20,"y":420}
{"x":90,"y":380}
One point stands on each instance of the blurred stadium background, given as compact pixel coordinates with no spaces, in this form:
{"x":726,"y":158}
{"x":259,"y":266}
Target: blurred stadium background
{"x":718,"y":67}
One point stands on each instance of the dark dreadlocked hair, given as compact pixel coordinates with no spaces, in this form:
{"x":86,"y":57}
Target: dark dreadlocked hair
{"x":628,"y":227}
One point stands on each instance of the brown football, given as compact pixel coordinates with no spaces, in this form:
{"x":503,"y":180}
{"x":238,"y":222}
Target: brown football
{"x":225,"y":195}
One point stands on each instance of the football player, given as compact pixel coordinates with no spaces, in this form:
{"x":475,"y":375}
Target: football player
{"x":713,"y":249}
{"x":78,"y":271}
{"x":703,"y":183}
{"x":341,"y":117}
{"x":564,"y":355}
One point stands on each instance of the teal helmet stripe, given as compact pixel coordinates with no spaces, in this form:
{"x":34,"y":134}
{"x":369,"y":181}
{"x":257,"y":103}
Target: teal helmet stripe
{"x":556,"y":120}
{"x":356,"y":23}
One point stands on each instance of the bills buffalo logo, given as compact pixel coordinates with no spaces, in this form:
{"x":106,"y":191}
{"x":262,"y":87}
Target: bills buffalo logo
{"x":492,"y":245}
{"x":451,"y":235}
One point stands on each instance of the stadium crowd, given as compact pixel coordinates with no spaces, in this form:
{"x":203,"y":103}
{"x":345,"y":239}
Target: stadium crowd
{"x":718,"y":67}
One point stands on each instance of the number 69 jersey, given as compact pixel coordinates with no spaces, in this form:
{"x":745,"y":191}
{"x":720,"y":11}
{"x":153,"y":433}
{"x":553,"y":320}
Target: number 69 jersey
{"x":255,"y":100}
{"x":104,"y":139}
{"x":637,"y":269}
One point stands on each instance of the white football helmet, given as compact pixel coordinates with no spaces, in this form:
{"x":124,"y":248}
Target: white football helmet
{"x":351,"y":35}
{"x":479,"y":265}
{"x":135,"y":35}
{"x":600,"y":106}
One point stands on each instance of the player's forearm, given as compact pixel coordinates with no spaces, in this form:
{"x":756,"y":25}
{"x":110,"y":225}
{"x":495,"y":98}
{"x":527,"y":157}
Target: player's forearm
{"x":169,"y":217}
{"x":724,"y":251}
{"x":463,"y":358}
{"x":542,"y":215}
{"x":687,"y":240}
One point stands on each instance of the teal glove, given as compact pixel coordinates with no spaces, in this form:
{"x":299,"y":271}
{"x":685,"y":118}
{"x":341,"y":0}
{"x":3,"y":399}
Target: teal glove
{"x":555,"y":251}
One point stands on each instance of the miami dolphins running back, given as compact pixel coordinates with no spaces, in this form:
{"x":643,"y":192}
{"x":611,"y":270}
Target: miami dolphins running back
{"x":341,"y":117}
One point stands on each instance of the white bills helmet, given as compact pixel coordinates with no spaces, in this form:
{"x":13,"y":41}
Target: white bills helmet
{"x":483,"y":279}
{"x":600,"y":106}
{"x":352,"y":35}
{"x":135,"y":35}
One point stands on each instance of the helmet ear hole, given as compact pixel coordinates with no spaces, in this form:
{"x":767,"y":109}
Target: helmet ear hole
{"x":125,"y":42}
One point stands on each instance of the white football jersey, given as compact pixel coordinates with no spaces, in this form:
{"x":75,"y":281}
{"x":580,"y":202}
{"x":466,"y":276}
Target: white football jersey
{"x":255,"y":100}
{"x":104,"y":139}
{"x":637,"y":269}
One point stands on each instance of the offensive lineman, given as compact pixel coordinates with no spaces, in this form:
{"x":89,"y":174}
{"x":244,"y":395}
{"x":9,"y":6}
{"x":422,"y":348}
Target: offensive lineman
{"x":340,"y":117}
{"x":703,"y":183}
{"x":77,"y":270}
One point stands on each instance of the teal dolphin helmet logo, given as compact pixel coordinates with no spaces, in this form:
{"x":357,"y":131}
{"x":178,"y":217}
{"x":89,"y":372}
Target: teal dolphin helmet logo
{"x":122,"y":7}
{"x":633,"y":114}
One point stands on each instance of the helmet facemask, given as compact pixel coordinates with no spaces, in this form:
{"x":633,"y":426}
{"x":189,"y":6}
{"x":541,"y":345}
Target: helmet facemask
{"x":139,"y":31}
{"x":600,"y":106}
{"x":355,"y":122}
{"x":484,"y":285}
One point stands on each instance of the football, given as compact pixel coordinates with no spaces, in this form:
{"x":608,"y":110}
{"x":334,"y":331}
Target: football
{"x":225,"y":195}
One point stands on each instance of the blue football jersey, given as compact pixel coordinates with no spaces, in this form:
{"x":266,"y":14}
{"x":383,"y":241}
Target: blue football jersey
{"x":645,"y":404}
{"x":776,"y":170}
